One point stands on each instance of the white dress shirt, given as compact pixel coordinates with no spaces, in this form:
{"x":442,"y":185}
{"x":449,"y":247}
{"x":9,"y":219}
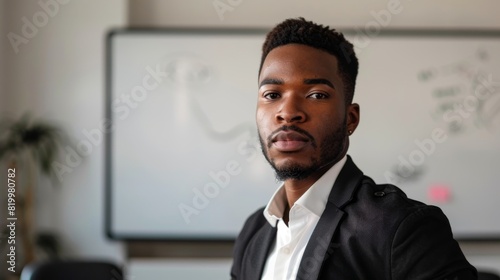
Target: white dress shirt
{"x":285,"y":255}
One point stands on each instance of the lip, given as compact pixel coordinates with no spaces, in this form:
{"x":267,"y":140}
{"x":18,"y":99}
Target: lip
{"x":289,"y":141}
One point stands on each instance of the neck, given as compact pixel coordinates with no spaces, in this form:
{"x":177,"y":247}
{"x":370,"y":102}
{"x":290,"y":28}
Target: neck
{"x":296,"y":188}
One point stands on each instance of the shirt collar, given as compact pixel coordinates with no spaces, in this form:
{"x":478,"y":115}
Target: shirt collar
{"x":314,"y":199}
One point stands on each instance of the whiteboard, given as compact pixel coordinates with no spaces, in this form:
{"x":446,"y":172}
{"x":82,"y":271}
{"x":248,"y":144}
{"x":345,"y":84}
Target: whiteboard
{"x":183,"y":161}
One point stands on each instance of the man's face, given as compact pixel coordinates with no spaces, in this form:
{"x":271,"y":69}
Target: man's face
{"x":302,"y":116}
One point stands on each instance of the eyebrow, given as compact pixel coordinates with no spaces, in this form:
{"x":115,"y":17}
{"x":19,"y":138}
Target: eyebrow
{"x":271,"y":81}
{"x":319,"y":81}
{"x":274,"y":81}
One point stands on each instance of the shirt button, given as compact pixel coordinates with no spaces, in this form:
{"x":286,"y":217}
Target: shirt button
{"x":379,"y":194}
{"x":286,"y":250}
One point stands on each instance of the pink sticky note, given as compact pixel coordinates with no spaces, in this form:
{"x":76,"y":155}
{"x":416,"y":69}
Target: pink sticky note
{"x":439,"y":193}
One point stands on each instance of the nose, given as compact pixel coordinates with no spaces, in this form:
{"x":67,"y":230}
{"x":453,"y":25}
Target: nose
{"x":290,"y":111}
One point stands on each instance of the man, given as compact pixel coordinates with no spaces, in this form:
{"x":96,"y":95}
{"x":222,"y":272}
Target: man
{"x":328,"y":220}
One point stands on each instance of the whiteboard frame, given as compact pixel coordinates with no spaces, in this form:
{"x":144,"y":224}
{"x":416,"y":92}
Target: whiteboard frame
{"x":411,"y":33}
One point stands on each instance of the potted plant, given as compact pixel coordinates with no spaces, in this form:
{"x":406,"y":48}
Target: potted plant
{"x":29,"y":147}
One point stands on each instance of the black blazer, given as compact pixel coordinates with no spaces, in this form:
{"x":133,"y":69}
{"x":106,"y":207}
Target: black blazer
{"x":367,"y":231}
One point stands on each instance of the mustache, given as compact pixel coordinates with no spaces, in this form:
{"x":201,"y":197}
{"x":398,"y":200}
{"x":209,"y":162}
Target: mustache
{"x":291,"y":128}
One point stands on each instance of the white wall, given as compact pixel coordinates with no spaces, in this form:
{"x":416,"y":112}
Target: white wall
{"x":262,"y":13}
{"x":2,"y":58}
{"x":57,"y":74}
{"x":2,"y":116}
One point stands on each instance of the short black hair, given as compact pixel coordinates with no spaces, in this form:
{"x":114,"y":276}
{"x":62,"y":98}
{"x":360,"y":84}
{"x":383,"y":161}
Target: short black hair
{"x":300,"y":31}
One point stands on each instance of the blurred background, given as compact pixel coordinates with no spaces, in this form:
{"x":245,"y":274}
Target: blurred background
{"x":52,"y":57}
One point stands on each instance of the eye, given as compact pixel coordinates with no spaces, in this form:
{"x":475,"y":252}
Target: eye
{"x":271,"y":95}
{"x":318,"y":95}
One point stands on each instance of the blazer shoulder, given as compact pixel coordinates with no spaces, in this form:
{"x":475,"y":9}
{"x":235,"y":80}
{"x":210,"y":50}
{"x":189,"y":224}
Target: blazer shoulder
{"x":387,"y":198}
{"x":381,"y":209}
{"x":404,"y":237}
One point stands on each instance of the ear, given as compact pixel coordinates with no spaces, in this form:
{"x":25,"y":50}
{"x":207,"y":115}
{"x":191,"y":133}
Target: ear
{"x":352,"y":117}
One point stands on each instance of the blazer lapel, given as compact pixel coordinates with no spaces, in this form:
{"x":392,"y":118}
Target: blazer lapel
{"x":319,"y":244}
{"x":257,"y":252}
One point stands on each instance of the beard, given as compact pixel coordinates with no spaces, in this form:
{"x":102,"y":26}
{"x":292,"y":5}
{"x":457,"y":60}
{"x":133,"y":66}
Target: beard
{"x":332,"y":149}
